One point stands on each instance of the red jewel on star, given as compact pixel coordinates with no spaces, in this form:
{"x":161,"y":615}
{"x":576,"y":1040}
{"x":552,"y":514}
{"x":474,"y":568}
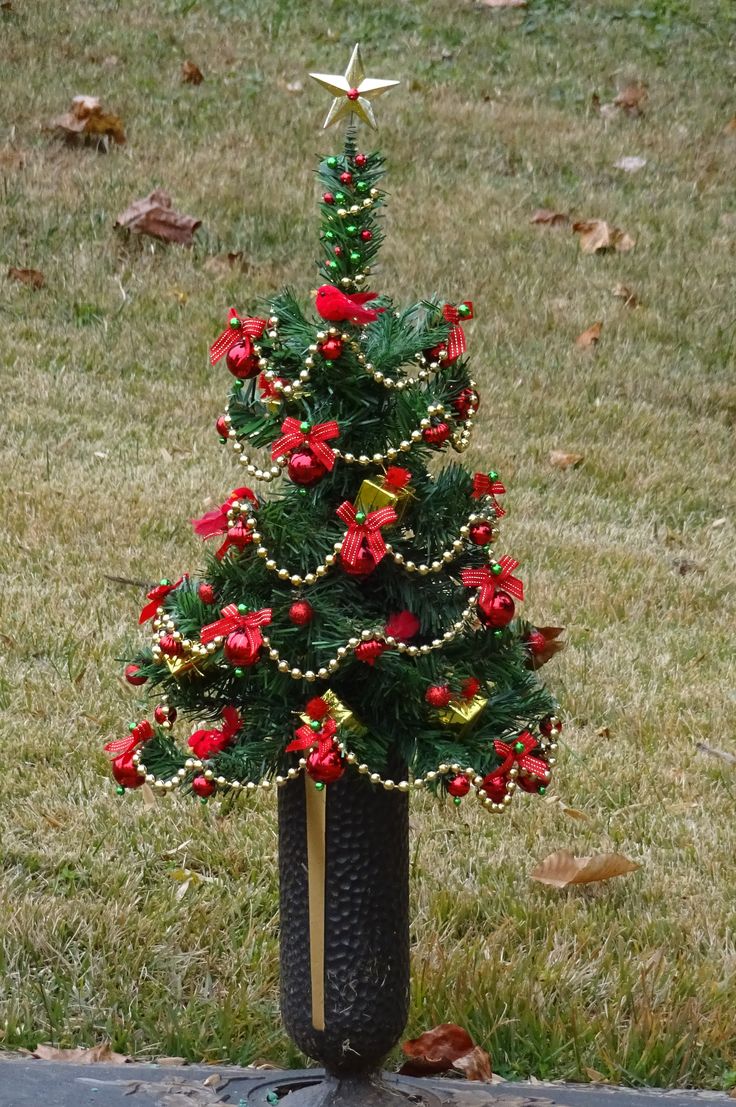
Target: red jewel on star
{"x":353,"y":94}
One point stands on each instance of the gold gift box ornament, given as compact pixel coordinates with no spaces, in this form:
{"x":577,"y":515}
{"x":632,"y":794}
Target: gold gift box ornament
{"x":465,"y":708}
{"x":341,"y":714}
{"x":390,"y":489}
{"x":178,"y":665}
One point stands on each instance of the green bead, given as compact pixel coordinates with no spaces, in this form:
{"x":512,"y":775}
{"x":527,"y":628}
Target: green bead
{"x":203,"y":799}
{"x":164,"y":582}
{"x":329,"y":364}
{"x":519,"y":747}
{"x":332,"y":162}
{"x":319,"y":786}
{"x":492,"y":474}
{"x":304,"y":428}
{"x":351,"y":228}
{"x":339,"y":197}
{"x":330,"y":235}
{"x":131,"y":726}
{"x":498,"y":634}
{"x":354,"y":255}
{"x":223,"y":441}
{"x":120,"y":790}
{"x":360,"y":517}
{"x":463,"y":310}
{"x":315,"y":724}
{"x":302,"y":492}
{"x":542,"y":791}
{"x":242,"y":608}
{"x":362,"y":186}
{"x":332,"y":265}
{"x":496,"y":568}
{"x":457,"y":801}
{"x":234,"y":323}
{"x":239,"y":673}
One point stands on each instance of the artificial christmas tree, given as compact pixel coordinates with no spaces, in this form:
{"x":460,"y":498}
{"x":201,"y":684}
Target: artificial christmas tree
{"x":354,"y":634}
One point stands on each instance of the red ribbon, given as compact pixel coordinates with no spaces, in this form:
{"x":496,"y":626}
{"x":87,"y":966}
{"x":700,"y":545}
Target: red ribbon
{"x":484,"y":486}
{"x":524,"y":759}
{"x":396,"y":478}
{"x":369,"y":531}
{"x":455,"y":342}
{"x":234,"y":332}
{"x":488,"y":582}
{"x":216,"y":522}
{"x":315,"y":437}
{"x":205,"y":743}
{"x":232,"y":620}
{"x":156,"y":595}
{"x":140,"y":733}
{"x":306,"y":737}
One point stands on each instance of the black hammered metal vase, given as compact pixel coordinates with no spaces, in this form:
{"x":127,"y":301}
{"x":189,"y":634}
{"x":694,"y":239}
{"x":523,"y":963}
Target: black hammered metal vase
{"x":366,"y":922}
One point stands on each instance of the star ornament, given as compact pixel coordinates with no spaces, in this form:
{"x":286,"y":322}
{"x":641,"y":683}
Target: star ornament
{"x":353,"y":92}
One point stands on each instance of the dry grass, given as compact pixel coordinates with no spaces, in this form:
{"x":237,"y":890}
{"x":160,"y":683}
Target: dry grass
{"x":109,"y":448}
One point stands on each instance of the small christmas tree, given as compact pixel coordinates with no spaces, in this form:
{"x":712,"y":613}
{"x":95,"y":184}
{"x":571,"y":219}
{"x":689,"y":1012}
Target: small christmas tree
{"x":357,"y":616}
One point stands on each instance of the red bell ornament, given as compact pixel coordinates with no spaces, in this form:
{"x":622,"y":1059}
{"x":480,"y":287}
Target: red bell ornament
{"x":125,"y":772}
{"x":481,"y":533}
{"x":459,"y":786}
{"x":501,"y":611}
{"x":239,"y":649}
{"x":326,"y":767}
{"x":301,"y":613}
{"x":464,"y":401}
{"x":305,"y":469}
{"x":438,"y":434}
{"x":331,"y":348}
{"x":133,"y":675}
{"x":170,"y":645}
{"x":203,"y":787}
{"x":241,"y":359}
{"x":364,"y":564}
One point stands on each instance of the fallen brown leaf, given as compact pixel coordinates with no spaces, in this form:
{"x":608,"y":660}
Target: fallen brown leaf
{"x":549,"y":218}
{"x":597,"y":235}
{"x":603,"y":732}
{"x":34,"y":278}
{"x":6,"y":6}
{"x":475,"y":1065}
{"x":436,"y":1050}
{"x":623,"y":292}
{"x":589,"y":338}
{"x":86,"y":117}
{"x":632,"y":98}
{"x":501,"y":3}
{"x":561,"y":459}
{"x":711,"y":751}
{"x":191,"y":74}
{"x":685,"y":565}
{"x":154,"y":216}
{"x":561,"y":869}
{"x":99,"y":1054}
{"x":12,"y":159}
{"x":730,"y":128}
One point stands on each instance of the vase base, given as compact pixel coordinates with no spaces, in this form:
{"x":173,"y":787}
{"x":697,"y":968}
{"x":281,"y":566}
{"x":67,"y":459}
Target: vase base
{"x":315,"y":1088}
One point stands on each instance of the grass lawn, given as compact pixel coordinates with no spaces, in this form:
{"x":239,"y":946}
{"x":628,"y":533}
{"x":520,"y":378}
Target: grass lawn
{"x":108,"y":449}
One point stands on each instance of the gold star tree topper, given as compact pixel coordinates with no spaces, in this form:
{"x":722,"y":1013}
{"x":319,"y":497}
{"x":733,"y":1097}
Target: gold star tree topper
{"x":353,"y":92}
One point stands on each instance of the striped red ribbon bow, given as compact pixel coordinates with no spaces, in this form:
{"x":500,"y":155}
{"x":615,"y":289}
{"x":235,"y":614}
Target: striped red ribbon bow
{"x":296,"y":433}
{"x":456,"y":343}
{"x":488,"y":581}
{"x":306,"y":737}
{"x":522,"y":757}
{"x":121,"y":746}
{"x":249,"y":622}
{"x":362,"y":528}
{"x":156,"y":595}
{"x":236,"y":330}
{"x":205,"y":743}
{"x":216,"y":522}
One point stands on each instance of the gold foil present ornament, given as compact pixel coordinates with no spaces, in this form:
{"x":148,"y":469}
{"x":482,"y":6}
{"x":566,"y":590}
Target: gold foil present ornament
{"x":342,"y":715}
{"x":388,"y":490}
{"x":461,"y":712}
{"x":177,"y":666}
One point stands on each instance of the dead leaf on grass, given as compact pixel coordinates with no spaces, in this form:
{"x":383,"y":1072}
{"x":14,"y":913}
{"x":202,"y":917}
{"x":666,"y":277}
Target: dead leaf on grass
{"x":86,"y":118}
{"x":603,"y":732}
{"x":590,"y":337}
{"x":474,"y":1065}
{"x":226,"y":263}
{"x":501,"y":3}
{"x":561,"y":459}
{"x":12,"y":159}
{"x":442,"y":1048}
{"x":191,"y":74}
{"x":711,"y":751}
{"x":6,"y":6}
{"x":632,"y":98}
{"x":630,"y":164}
{"x":562,"y":869}
{"x":623,"y":292}
{"x":730,"y":128}
{"x":572,"y":812}
{"x":548,"y":218}
{"x":154,"y":216}
{"x":596,"y":235}
{"x":34,"y":278}
{"x":99,"y":1054}
{"x":685,"y":565}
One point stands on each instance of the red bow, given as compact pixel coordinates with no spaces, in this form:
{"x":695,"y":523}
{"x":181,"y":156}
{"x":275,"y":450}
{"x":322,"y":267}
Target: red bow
{"x":156,"y":595}
{"x":488,"y":581}
{"x":455,"y":343}
{"x":369,"y":531}
{"x":216,"y":522}
{"x":205,"y":743}
{"x":121,"y":746}
{"x":396,"y":478}
{"x":523,"y":758}
{"x":234,"y":332}
{"x":483,"y":485}
{"x":238,"y":535}
{"x":294,"y":434}
{"x":306,"y":737}
{"x":232,"y":620}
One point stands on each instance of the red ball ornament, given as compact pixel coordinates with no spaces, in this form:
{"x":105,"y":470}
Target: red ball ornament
{"x":238,"y":649}
{"x":164,"y":714}
{"x":360,"y":160}
{"x":222,"y":427}
{"x":133,"y":675}
{"x":331,"y":348}
{"x":206,"y":592}
{"x":301,"y":613}
{"x":366,"y":235}
{"x":548,"y":724}
{"x":459,"y":786}
{"x":436,"y":435}
{"x":481,"y":533}
{"x":328,"y":198}
{"x":241,"y":360}
{"x":494,"y":787}
{"x":438,"y":695}
{"x":203,"y":787}
{"x":327,"y":767}
{"x":468,"y":398}
{"x":346,"y":178}
{"x":501,"y":611}
{"x":305,"y":469}
{"x":364,"y":565}
{"x":125,"y":772}
{"x":536,"y":642}
{"x":170,"y":645}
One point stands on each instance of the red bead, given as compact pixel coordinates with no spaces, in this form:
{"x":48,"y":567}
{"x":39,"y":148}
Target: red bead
{"x":366,"y":235}
{"x":305,"y":469}
{"x":536,"y":642}
{"x":468,"y":398}
{"x":238,"y":649}
{"x":353,"y":94}
{"x":501,"y":611}
{"x":125,"y":772}
{"x":364,"y":565}
{"x":164,"y":714}
{"x":325,"y":768}
{"x":346,"y":178}
{"x":547,"y":726}
{"x":301,"y":613}
{"x":436,"y":435}
{"x":459,"y":786}
{"x":370,"y":651}
{"x":203,"y":787}
{"x":328,"y":198}
{"x":331,"y":348}
{"x":222,"y":427}
{"x":241,"y":360}
{"x":495,"y":787}
{"x":133,"y":675}
{"x":170,"y":645}
{"x":360,"y":160}
{"x":438,"y":695}
{"x":337,"y":251}
{"x":206,"y":592}
{"x":481,"y":533}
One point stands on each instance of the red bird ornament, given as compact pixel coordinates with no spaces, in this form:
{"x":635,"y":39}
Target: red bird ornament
{"x":336,"y":306}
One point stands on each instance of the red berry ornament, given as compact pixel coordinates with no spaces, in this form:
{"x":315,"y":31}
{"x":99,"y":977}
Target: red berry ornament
{"x":501,"y":610}
{"x":164,"y":714}
{"x":360,"y":160}
{"x":436,"y":435}
{"x":363,"y":566}
{"x":459,"y":786}
{"x":239,"y":650}
{"x":125,"y":772}
{"x":346,"y":178}
{"x":327,"y":767}
{"x":206,"y":592}
{"x":170,"y":645}
{"x":222,"y":427}
{"x":481,"y":533}
{"x":438,"y":695}
{"x":495,"y":787}
{"x":301,"y":613}
{"x":203,"y":787}
{"x":241,"y":360}
{"x":133,"y":675}
{"x":305,"y":469}
{"x":331,"y":348}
